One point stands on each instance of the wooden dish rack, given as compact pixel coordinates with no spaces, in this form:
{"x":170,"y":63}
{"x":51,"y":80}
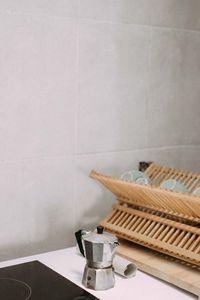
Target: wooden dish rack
{"x":159,"y":219}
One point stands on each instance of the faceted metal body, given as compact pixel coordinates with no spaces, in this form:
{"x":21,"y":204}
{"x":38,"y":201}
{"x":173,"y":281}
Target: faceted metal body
{"x":99,"y":250}
{"x":98,"y":279}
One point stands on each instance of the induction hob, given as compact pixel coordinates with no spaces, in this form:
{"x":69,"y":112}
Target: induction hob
{"x":35,"y":281}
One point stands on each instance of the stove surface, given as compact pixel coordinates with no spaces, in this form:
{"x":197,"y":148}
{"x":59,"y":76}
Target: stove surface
{"x":35,"y":281}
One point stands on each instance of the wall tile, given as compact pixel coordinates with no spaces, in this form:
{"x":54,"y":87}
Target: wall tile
{"x":37,"y":211}
{"x":37,"y":86}
{"x":189,"y":158}
{"x":112,"y":87}
{"x":173,"y":108}
{"x":66,"y":8}
{"x":184,"y":14}
{"x":128,"y":11}
{"x":182,"y":158}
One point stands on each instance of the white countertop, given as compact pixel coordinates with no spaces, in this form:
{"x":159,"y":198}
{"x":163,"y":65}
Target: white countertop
{"x":70,"y":264}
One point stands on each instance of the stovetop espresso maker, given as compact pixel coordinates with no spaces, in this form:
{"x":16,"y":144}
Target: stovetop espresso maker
{"x":98,"y":247}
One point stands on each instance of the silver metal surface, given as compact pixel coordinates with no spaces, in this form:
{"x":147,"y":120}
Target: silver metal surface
{"x":98,"y":247}
{"x":98,"y":279}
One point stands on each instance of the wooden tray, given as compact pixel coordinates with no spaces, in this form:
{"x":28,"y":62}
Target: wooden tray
{"x":162,"y":266}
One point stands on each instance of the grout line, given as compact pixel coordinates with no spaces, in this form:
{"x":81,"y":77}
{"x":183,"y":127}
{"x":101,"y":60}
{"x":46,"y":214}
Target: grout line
{"x":47,"y":15}
{"x":40,"y":15}
{"x":36,"y":158}
{"x":77,"y":86}
{"x":75,"y":194}
{"x":148,"y":87}
{"x":140,"y":25}
{"x":54,"y":157}
{"x":140,"y":149}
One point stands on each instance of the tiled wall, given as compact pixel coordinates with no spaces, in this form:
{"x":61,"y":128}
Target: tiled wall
{"x":89,"y":84}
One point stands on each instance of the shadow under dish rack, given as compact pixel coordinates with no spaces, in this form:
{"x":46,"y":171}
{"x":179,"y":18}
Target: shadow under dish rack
{"x":159,"y":219}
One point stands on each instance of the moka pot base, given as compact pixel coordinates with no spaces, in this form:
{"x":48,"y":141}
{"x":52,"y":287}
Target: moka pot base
{"x":98,"y":279}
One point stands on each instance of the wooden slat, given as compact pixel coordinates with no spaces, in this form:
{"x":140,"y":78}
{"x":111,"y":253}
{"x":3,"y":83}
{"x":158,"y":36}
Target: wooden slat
{"x":166,"y":236}
{"x":184,"y":205}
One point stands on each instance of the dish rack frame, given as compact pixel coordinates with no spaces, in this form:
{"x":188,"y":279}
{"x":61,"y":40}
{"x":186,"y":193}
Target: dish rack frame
{"x":157,"y":218}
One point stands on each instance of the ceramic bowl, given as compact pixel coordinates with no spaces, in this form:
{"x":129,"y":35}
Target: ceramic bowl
{"x":174,"y":185}
{"x":136,"y":176}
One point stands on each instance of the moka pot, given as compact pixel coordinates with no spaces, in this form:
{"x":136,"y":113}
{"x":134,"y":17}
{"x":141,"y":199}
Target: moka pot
{"x":99,"y":248}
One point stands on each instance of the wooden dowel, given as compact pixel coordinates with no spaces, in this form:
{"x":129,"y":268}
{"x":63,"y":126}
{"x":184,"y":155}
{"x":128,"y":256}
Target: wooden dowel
{"x":128,"y":221}
{"x":156,"y":234}
{"x":134,"y":226}
{"x":184,"y":240}
{"x":174,"y":236}
{"x":143,"y":222}
{"x":155,"y":229}
{"x":135,"y":218}
{"x":161,"y":236}
{"x":179,"y":238}
{"x":115,"y":217}
{"x":195,"y":244}
{"x":124,"y":217}
{"x":189,"y":242}
{"x":148,"y":222}
{"x":169,"y":234}
{"x":121,"y":216}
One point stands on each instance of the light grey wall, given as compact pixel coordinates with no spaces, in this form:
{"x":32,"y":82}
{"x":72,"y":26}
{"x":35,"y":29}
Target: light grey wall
{"x":89,"y":84}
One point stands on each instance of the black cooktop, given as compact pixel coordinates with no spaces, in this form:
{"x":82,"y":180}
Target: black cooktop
{"x":35,"y":281}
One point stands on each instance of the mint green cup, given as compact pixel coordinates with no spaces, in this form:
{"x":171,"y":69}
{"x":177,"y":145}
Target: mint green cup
{"x":135,"y":176}
{"x":173,"y":185}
